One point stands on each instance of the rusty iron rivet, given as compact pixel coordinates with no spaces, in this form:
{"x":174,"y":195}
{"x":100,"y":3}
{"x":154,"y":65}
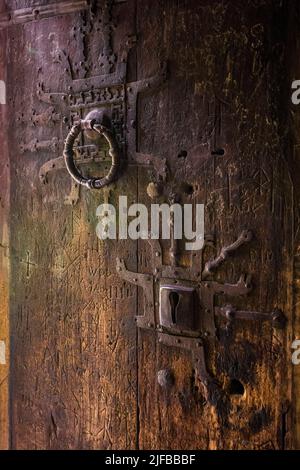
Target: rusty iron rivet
{"x":278,"y":319}
{"x":154,"y":190}
{"x":229,"y":313}
{"x":165,"y":378}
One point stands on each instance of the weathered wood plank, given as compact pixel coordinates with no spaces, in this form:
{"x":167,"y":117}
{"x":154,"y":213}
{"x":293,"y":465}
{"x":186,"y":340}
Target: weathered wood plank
{"x":74,"y":339}
{"x":222,"y":108}
{"x":4,"y":261}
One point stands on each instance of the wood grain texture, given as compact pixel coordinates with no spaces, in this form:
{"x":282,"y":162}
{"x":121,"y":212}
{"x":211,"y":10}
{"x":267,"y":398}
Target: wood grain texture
{"x":4,"y":261}
{"x":223,"y":92}
{"x":83,"y":376}
{"x":293,"y":156}
{"x":73,"y":332}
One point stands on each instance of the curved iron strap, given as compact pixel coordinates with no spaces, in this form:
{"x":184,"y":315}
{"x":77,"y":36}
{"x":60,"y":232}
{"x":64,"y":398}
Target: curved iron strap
{"x":114,"y":152}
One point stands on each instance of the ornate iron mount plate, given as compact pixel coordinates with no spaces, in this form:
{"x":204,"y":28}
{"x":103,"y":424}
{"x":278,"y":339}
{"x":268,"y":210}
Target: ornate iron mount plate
{"x":180,"y":305}
{"x":94,"y":80}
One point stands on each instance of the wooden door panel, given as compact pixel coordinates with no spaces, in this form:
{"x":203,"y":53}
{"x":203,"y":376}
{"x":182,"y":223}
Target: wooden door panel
{"x":73,"y":336}
{"x":220,"y":106}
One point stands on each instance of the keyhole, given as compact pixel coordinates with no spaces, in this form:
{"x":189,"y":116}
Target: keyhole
{"x":174,"y":300}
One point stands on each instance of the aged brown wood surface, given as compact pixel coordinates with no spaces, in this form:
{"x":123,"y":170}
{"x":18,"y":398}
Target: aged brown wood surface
{"x":73,"y":335}
{"x":223,"y":93}
{"x":293,"y":70}
{"x":83,"y":376}
{"x":4,"y":265}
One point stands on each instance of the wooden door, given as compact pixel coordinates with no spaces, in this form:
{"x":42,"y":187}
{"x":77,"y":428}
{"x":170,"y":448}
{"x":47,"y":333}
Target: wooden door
{"x":197,"y":96}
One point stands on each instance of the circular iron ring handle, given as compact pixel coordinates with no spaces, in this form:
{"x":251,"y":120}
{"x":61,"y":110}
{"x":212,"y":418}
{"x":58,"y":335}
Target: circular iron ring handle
{"x":114,"y":152}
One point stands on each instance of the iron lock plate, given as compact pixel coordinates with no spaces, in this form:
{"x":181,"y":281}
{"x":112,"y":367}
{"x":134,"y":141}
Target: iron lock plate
{"x":187,"y":307}
{"x":178,"y":307}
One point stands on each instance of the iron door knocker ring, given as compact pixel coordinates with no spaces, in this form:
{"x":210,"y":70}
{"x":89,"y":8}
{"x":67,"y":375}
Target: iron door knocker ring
{"x":114,"y":152}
